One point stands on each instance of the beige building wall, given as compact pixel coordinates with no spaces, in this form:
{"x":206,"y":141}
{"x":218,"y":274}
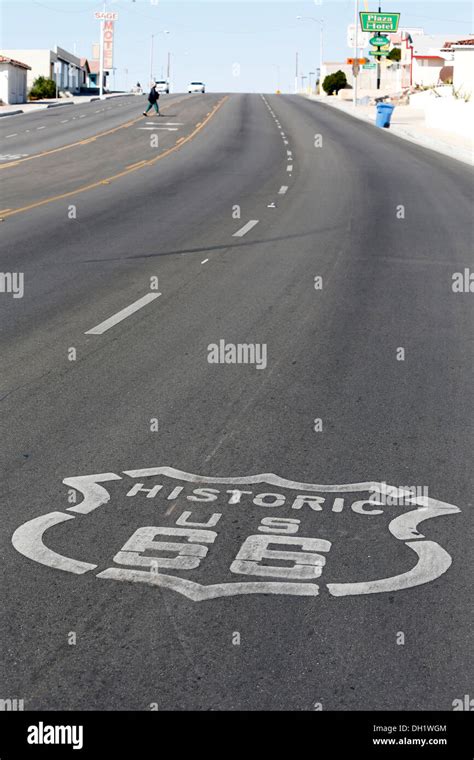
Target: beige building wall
{"x":39,"y":60}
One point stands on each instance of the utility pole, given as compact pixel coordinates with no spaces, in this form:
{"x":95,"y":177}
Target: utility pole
{"x":296,"y":74}
{"x":168,"y":71}
{"x":378,"y":57}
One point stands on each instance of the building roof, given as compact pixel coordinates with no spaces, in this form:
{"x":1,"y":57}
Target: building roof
{"x":94,"y":67}
{"x":4,"y":59}
{"x":85,"y":65}
{"x":469,"y":42}
{"x":431,"y":44}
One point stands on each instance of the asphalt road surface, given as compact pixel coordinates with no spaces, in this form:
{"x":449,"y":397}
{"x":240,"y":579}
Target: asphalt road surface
{"x":293,"y":349}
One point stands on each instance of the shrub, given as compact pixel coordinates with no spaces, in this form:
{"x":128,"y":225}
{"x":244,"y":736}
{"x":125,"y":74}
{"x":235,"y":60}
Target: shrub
{"x":334,"y":82}
{"x":43,"y":88}
{"x":395,"y":54}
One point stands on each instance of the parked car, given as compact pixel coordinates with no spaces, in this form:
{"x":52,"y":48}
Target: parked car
{"x":197,"y":87}
{"x":162,"y":86}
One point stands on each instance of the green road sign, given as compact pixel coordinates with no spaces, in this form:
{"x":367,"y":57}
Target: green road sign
{"x":369,"y":66}
{"x":378,"y":52}
{"x":378,"y":40}
{"x":379,"y":22}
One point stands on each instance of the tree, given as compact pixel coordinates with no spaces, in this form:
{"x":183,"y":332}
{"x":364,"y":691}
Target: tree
{"x":43,"y":88}
{"x":334,"y":82}
{"x":395,"y":54}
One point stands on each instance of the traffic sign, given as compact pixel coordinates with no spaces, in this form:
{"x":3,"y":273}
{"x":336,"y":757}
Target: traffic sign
{"x":379,"y":40}
{"x":379,"y":22}
{"x":369,"y":66}
{"x":378,"y":52}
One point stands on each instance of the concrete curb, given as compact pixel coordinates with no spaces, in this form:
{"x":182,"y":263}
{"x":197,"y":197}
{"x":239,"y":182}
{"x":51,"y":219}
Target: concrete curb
{"x":10,"y":113}
{"x":59,"y":105}
{"x":431,"y":143}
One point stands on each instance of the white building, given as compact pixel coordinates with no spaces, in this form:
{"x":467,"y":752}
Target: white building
{"x":58,"y":64}
{"x":463,"y":67}
{"x":13,"y":76}
{"x":424,"y":56}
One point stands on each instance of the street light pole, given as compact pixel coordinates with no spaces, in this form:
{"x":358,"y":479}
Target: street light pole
{"x":319,"y":21}
{"x":101,"y":56}
{"x":321,"y":55}
{"x":165,"y":31}
{"x":355,"y":65}
{"x":151,"y":58}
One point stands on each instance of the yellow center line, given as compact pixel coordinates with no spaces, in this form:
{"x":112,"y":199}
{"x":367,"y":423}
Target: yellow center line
{"x":71,"y":145}
{"x":85,"y":141}
{"x":128,"y":170}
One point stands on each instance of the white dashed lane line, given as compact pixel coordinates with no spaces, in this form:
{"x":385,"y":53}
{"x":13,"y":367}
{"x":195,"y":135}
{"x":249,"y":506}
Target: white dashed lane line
{"x":204,"y":261}
{"x":44,"y":127}
{"x":289,"y":168}
{"x":283,"y":189}
{"x":123,"y":314}
{"x":246,"y":228}
{"x":13,"y":135}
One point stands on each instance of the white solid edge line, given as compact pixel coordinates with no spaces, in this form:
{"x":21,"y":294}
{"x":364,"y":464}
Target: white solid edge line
{"x":246,"y":228}
{"x":123,"y":314}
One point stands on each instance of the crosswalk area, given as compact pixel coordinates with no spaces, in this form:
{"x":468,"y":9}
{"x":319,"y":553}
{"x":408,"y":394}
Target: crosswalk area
{"x":167,"y":126}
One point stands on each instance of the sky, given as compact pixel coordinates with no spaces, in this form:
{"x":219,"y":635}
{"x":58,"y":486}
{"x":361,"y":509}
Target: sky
{"x":232,"y":46}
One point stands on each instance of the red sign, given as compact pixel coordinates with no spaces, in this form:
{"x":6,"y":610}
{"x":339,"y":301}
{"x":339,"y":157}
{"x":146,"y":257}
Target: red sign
{"x":108,"y":44}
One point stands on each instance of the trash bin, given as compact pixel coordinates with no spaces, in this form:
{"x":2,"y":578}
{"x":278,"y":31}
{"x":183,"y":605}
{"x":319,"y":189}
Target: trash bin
{"x":384,"y":114}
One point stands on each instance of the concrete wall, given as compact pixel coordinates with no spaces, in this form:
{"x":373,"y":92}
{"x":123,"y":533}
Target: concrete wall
{"x":451,"y":115}
{"x":463,"y":74}
{"x":12,"y":83}
{"x":390,"y":79}
{"x":426,"y":71}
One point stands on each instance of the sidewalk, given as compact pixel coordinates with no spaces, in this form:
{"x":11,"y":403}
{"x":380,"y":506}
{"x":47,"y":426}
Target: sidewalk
{"x":408,"y":122}
{"x":39,"y":105}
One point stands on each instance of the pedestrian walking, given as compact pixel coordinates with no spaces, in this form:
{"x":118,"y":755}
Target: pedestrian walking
{"x":153,"y":97}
